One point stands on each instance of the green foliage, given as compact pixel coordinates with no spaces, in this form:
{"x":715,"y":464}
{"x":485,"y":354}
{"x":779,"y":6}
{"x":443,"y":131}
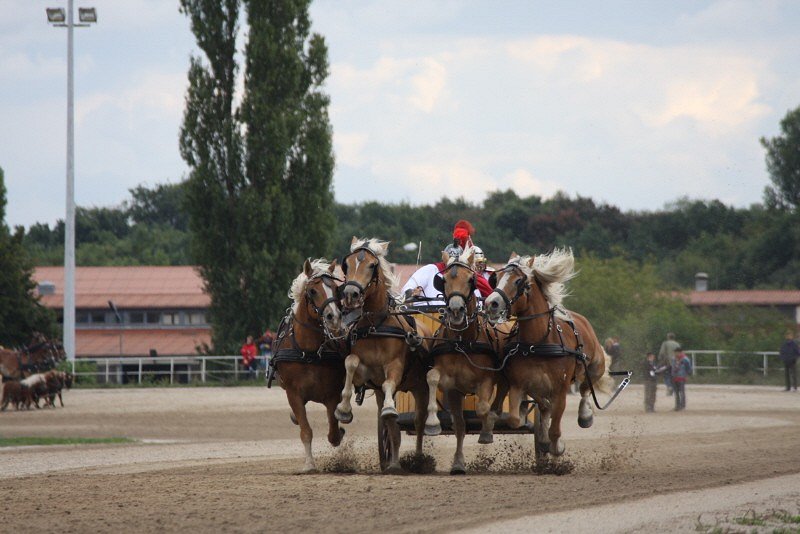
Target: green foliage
{"x":20,"y":312}
{"x":259,"y":193}
{"x":783,"y":164}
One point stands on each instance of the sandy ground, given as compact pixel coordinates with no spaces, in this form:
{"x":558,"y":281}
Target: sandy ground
{"x":224,"y":459}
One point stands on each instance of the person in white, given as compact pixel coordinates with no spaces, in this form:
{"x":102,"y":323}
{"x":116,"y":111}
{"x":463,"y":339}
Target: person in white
{"x":420,"y":285}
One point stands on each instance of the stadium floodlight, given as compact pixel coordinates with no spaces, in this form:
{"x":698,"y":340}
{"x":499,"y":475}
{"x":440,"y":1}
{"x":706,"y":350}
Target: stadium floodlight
{"x":56,"y":15}
{"x":87,"y":14}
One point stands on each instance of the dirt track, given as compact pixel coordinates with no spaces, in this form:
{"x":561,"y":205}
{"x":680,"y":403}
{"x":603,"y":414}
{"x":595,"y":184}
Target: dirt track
{"x":213,"y":459}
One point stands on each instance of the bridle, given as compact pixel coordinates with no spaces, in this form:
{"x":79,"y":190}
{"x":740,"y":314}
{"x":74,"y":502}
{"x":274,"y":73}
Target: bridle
{"x":466,"y":298}
{"x":330,"y":281}
{"x":523,"y":286}
{"x":373,"y":280}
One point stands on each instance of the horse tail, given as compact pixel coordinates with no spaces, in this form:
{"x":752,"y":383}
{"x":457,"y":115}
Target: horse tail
{"x":605,"y":384}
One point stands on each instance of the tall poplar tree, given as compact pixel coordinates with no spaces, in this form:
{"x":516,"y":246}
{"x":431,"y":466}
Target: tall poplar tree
{"x":259,"y":193}
{"x":21,"y":314}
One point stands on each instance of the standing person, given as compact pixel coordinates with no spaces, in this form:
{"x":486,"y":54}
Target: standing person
{"x":265,"y":346}
{"x":790,"y":352}
{"x":681,"y":369}
{"x":249,"y":353}
{"x":651,"y":369}
{"x":666,"y":357}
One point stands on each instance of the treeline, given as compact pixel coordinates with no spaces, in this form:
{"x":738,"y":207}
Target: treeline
{"x":740,"y":248}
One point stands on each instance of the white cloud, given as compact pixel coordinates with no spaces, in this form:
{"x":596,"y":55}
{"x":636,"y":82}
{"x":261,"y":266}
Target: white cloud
{"x":349,"y":148}
{"x":428,"y":85}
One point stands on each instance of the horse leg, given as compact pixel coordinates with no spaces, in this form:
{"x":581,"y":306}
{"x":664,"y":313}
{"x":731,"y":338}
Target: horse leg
{"x":419,"y":416}
{"x":455,"y":401}
{"x":500,"y":396}
{"x":335,"y":432}
{"x":393,"y":371}
{"x":484,"y":411}
{"x":433,"y":426}
{"x":585,"y":410}
{"x":59,"y":400}
{"x":344,"y":411}
{"x":514,"y":402}
{"x":559,"y":403}
{"x":298,"y":406}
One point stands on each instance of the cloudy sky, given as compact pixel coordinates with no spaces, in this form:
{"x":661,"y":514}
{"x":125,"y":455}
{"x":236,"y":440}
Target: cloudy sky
{"x":634,"y":103}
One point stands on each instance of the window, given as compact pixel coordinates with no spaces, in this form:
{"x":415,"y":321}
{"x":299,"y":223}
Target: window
{"x":153,"y":317}
{"x":81,"y":317}
{"x":170,"y":318}
{"x":98,"y":317}
{"x":136,"y":317}
{"x":197,"y":318}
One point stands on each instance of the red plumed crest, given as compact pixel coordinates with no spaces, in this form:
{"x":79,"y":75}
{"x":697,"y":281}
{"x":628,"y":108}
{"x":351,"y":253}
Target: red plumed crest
{"x":462,"y":232}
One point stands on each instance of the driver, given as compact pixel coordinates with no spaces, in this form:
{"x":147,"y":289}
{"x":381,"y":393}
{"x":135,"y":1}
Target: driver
{"x":420,"y":285}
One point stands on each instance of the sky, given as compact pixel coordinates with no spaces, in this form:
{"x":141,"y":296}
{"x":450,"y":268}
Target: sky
{"x":633,"y":103}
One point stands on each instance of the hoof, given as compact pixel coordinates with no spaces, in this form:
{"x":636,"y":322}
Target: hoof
{"x":338,"y":439}
{"x":542,"y":448}
{"x":433,"y":430}
{"x":585,"y":423}
{"x":557,"y":448}
{"x":393,"y":469}
{"x":307,"y":471}
{"x":458,"y":470}
{"x":292,"y":418}
{"x":343,"y":417}
{"x":388,"y":413}
{"x":485,"y":438}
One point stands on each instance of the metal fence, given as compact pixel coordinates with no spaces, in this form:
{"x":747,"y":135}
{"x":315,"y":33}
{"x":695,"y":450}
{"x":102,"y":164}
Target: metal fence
{"x":218,"y":369}
{"x":710,"y":360}
{"x":165,"y":369}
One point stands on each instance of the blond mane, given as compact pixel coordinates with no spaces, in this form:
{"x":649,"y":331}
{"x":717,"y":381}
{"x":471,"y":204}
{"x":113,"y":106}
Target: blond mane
{"x":554,"y":270}
{"x":318,"y":266}
{"x":378,"y":247}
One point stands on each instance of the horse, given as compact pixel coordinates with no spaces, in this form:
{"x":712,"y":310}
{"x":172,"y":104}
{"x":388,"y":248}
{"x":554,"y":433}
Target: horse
{"x":548,"y":350}
{"x":385,"y":347}
{"x":465,"y":353}
{"x":15,"y":393}
{"x":39,"y":355}
{"x":309,"y":364}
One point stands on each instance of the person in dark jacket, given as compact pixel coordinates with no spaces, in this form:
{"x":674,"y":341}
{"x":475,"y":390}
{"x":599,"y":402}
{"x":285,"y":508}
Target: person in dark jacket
{"x":650,"y":371}
{"x":790,"y":352}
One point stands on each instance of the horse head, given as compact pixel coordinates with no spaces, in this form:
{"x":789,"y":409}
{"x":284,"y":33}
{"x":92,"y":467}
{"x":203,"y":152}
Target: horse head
{"x":321,"y":295}
{"x":457,"y":284}
{"x":366,"y":271}
{"x":512,"y":286}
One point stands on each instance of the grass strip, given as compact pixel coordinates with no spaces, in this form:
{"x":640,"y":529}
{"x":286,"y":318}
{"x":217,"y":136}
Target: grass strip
{"x":24,"y":441}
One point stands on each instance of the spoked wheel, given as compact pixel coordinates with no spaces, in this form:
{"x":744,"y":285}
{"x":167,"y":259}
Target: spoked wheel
{"x":384,"y":444}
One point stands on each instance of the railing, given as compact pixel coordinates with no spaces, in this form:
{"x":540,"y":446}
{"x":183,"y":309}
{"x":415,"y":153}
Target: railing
{"x":720,"y":355}
{"x":215,"y":369}
{"x":172,"y":369}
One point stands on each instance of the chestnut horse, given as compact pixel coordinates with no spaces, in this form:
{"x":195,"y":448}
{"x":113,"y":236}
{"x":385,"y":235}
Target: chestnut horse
{"x":385,"y":351}
{"x":308,"y":360}
{"x":548,"y":349}
{"x":465,"y":353}
{"x":40,"y":355}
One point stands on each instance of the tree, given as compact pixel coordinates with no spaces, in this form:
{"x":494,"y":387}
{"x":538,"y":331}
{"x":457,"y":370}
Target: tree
{"x":783,"y":164}
{"x":20,"y":312}
{"x":259,"y":192}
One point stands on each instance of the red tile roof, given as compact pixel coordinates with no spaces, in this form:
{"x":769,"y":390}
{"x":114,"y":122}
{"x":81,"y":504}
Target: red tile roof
{"x":178,"y":342}
{"x":750,"y":297}
{"x":128,"y":287}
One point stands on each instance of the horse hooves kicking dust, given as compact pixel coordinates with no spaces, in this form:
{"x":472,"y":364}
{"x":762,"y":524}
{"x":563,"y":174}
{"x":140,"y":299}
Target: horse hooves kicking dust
{"x":486,"y":438}
{"x":433,"y":430}
{"x":343,"y":417}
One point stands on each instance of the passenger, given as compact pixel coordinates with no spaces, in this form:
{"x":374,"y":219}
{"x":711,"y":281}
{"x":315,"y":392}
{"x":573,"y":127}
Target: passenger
{"x":651,"y":369}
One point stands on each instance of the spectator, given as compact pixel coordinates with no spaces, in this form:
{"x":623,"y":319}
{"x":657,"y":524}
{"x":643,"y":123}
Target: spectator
{"x":651,"y":369}
{"x":265,"y":346}
{"x":681,"y":369}
{"x":790,"y":351}
{"x":666,"y":358}
{"x":249,"y":353}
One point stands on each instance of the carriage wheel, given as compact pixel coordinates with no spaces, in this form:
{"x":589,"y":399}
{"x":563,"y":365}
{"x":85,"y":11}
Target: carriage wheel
{"x":384,"y":444}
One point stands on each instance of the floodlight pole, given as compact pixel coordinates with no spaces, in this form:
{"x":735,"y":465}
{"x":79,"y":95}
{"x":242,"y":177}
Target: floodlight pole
{"x":69,"y":226}
{"x":69,"y":223}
